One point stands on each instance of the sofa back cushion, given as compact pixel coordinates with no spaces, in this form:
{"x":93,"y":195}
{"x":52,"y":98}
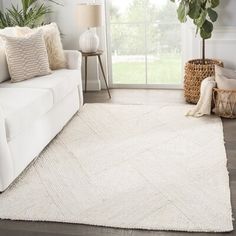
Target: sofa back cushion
{"x":4,"y":73}
{"x":26,"y":56}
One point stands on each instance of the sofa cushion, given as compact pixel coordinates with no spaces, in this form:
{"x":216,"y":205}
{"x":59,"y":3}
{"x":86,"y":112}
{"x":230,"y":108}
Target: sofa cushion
{"x":4,"y":73}
{"x":26,"y":56}
{"x":60,"y":83}
{"x":53,"y":43}
{"x":21,"y":107}
{"x":9,"y":31}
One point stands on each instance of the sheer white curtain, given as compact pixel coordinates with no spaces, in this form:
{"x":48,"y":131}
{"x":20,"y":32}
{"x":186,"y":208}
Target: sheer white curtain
{"x":104,"y":41}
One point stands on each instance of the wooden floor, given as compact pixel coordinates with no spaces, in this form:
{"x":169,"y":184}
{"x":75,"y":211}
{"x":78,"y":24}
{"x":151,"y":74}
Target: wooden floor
{"x":12,"y":228}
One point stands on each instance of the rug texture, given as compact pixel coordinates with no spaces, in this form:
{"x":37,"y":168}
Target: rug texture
{"x":129,"y":166}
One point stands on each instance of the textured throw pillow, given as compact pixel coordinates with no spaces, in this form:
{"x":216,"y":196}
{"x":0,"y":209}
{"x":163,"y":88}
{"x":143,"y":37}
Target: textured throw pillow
{"x":225,"y":78}
{"x":53,"y":43}
{"x":26,"y":56}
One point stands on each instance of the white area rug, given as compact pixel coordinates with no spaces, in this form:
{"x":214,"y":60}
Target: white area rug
{"x":129,"y":166}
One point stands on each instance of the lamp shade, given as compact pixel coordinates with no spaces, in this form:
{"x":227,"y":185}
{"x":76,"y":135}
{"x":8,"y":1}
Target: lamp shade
{"x":89,"y":15}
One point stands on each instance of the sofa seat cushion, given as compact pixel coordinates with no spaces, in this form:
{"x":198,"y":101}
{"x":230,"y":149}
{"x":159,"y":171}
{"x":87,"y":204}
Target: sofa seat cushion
{"x":21,"y":107}
{"x":60,"y":83}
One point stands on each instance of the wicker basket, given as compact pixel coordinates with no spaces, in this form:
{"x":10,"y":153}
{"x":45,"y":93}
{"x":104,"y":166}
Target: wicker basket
{"x":225,"y":103}
{"x":195,"y":73}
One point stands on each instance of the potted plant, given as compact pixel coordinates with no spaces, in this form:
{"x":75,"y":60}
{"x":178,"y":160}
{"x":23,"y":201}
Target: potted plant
{"x":203,"y":15}
{"x":31,"y":14}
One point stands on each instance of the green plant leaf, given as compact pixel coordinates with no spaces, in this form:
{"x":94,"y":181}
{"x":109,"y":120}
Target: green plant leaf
{"x":204,"y":34}
{"x":212,"y":14}
{"x":31,"y":14}
{"x":207,"y":27}
{"x":201,"y":19}
{"x":194,"y":9}
{"x":182,"y":11}
{"x":215,"y":3}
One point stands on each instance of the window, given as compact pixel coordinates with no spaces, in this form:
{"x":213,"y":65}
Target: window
{"x":145,"y":42}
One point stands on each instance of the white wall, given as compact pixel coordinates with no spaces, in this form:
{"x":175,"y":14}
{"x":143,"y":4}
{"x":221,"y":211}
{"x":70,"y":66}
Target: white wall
{"x":223,"y":43}
{"x":227,"y":16}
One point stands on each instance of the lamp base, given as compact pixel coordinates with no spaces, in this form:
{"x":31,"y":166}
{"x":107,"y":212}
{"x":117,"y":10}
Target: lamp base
{"x":89,"y":41}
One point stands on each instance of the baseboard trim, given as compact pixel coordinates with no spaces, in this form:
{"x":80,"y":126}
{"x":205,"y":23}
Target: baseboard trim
{"x":92,"y":85}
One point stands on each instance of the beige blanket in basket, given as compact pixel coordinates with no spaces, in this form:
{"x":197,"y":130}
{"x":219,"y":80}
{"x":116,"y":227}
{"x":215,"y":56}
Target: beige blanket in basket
{"x":203,"y":106}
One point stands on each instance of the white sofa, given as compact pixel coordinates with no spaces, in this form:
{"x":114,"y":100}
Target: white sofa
{"x":33,"y":112}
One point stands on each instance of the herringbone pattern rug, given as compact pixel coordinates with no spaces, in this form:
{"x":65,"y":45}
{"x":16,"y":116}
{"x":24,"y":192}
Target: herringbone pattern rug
{"x":129,"y":166}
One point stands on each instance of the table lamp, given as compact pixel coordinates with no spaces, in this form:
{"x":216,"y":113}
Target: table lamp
{"x":89,"y":16}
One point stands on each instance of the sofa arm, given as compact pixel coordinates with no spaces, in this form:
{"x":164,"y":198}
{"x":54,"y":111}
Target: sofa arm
{"x":6,"y":163}
{"x":73,"y":59}
{"x":74,"y":62}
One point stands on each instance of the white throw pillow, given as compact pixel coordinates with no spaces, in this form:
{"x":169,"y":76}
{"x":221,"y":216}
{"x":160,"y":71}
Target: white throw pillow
{"x":26,"y":56}
{"x":4,"y":73}
{"x":53,"y":43}
{"x":8,"y":31}
{"x":225,"y":78}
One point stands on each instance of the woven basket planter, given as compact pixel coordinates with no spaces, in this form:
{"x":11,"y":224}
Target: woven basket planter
{"x":195,"y":73}
{"x":225,"y":103}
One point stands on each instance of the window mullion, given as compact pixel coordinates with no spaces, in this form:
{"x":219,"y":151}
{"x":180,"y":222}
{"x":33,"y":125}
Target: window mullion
{"x":146,"y":49}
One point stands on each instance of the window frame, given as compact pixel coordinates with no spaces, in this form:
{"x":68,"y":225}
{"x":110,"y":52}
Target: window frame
{"x":109,"y":58}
